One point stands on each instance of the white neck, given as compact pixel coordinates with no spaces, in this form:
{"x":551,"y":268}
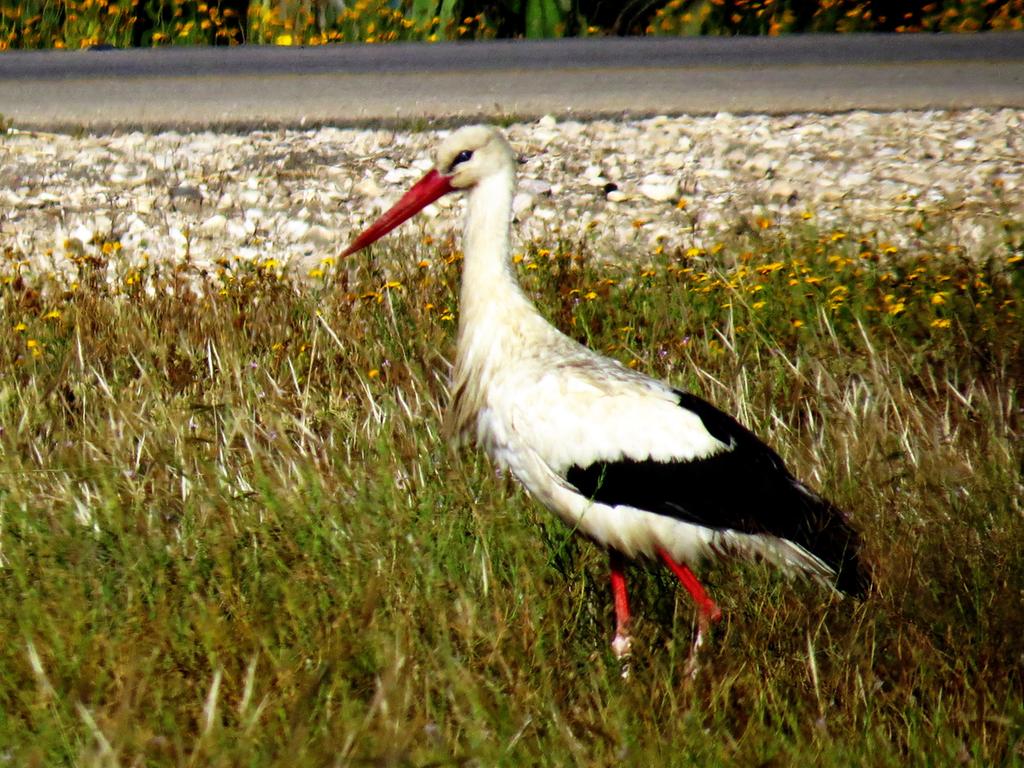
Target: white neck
{"x":491,"y":297}
{"x":496,"y":320}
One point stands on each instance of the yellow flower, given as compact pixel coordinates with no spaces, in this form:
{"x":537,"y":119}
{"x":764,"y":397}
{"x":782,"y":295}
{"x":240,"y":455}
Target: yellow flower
{"x":590,"y":296}
{"x":316,"y":272}
{"x":693,"y":251}
{"x":837,"y":236}
{"x":798,"y":323}
{"x":940,"y":323}
{"x":53,"y":314}
{"x":681,"y":204}
{"x":939,"y":298}
{"x":20,"y":327}
{"x":283,"y":40}
{"x":373,"y":373}
{"x":759,"y":304}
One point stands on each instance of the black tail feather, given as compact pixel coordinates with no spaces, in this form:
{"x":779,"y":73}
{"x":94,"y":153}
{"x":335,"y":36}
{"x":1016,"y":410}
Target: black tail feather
{"x":744,"y":488}
{"x":825,"y":532}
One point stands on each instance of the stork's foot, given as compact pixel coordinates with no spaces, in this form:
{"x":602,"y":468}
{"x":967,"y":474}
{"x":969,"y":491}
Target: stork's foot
{"x":623,"y":643}
{"x":693,"y":664}
{"x":622,"y":647}
{"x":704,"y":621}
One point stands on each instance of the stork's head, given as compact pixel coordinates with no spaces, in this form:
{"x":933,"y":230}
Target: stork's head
{"x":465,"y":158}
{"x":471,"y":153}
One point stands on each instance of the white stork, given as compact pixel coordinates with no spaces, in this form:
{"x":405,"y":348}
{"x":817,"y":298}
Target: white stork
{"x":637,"y":466}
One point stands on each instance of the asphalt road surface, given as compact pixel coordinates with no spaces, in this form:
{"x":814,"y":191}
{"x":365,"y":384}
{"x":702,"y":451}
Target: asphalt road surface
{"x":407,"y":84}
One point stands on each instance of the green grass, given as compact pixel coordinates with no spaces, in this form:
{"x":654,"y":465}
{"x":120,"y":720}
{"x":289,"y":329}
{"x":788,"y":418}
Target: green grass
{"x":73,"y":24}
{"x":231,"y":534}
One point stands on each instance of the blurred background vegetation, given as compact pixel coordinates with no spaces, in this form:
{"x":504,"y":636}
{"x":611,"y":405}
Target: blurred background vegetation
{"x":124,"y":23}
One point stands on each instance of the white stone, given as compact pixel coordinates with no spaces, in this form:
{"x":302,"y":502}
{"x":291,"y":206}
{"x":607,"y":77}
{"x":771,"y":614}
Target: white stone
{"x":295,"y":229}
{"x":251,"y":197}
{"x":535,"y":186}
{"x":659,"y":188}
{"x":851,"y":180}
{"x":398,"y":175}
{"x":368,"y":188}
{"x":522,"y":203}
{"x":238,"y":231}
{"x":102,"y":225}
{"x":82,"y":234}
{"x":320,"y":235}
{"x":781,"y":190}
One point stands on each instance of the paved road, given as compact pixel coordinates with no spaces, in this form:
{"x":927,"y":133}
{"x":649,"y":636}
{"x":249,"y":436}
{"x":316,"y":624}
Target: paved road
{"x":409,"y":83}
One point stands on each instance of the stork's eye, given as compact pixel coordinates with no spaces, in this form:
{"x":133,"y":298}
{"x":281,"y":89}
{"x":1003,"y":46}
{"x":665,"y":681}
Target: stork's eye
{"x":462,"y":157}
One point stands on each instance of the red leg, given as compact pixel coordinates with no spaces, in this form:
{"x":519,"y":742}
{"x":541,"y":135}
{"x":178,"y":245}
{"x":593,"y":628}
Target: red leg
{"x":708,"y":610}
{"x":621,"y":643}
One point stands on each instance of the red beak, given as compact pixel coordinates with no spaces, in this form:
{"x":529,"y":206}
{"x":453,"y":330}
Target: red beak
{"x":423,"y":193}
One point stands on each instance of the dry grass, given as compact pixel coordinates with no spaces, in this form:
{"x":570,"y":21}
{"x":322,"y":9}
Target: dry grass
{"x":230,"y":532}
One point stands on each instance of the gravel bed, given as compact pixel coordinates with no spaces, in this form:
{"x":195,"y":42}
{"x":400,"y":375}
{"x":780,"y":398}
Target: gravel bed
{"x":627,"y":187}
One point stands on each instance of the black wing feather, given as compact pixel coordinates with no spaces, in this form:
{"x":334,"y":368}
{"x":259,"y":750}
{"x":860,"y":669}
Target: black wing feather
{"x":747,"y":489}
